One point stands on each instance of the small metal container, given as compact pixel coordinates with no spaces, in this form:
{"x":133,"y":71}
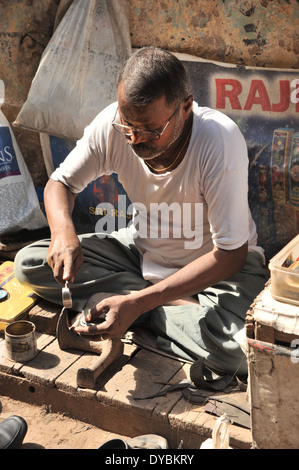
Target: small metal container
{"x":20,"y":341}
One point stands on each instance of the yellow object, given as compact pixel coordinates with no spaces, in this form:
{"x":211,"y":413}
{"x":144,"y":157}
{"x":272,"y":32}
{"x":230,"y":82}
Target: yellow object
{"x":19,"y":299}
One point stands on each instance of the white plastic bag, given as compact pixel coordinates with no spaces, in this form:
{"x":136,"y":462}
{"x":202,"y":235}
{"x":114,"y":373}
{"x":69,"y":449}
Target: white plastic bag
{"x":19,"y":206}
{"x":77,"y":74}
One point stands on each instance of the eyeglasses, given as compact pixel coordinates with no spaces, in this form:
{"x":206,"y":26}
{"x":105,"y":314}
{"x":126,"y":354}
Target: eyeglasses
{"x":144,"y":133}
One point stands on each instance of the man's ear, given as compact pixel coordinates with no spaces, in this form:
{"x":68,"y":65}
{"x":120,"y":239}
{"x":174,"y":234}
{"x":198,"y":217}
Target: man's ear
{"x":187,"y":105}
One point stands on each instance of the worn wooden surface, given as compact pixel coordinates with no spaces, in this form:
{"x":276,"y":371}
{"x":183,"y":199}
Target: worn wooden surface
{"x":116,"y":403}
{"x":274,"y":381}
{"x":273,"y":373}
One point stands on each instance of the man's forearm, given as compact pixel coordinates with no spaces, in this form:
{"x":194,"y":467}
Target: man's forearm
{"x":122,"y":310}
{"x":192,"y":278}
{"x":59,"y":204}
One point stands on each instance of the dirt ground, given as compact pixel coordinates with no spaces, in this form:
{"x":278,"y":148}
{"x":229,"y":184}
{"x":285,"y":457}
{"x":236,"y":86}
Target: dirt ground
{"x":47,"y":430}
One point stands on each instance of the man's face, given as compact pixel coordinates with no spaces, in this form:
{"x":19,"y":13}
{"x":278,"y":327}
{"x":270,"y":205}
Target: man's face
{"x":153,"y":116}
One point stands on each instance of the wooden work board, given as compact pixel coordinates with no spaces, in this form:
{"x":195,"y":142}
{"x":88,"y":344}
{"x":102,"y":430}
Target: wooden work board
{"x":116,"y":402}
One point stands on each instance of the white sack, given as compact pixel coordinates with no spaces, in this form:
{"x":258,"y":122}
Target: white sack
{"x":77,"y":74}
{"x":19,"y":205}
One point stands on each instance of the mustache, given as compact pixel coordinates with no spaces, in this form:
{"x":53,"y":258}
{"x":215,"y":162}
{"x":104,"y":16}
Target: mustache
{"x":144,"y":150}
{"x":141,"y":146}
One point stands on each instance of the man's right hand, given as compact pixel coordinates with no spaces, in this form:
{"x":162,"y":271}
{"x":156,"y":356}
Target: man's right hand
{"x":65,"y":256}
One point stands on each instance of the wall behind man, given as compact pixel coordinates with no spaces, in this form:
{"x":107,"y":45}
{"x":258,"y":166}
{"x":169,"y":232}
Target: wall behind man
{"x":258,"y":33}
{"x":246,"y":32}
{"x":26,"y":27}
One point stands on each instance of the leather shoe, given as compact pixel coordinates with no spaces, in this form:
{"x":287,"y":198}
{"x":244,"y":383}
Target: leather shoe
{"x":12,"y":432}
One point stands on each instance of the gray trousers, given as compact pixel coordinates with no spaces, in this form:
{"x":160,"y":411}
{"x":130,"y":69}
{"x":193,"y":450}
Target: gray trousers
{"x":192,"y":331}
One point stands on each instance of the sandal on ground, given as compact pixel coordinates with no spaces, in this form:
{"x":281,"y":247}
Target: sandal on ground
{"x":147,"y":441}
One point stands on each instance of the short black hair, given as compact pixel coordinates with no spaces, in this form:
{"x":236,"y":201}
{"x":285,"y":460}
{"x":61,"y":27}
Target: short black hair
{"x":152,"y":72}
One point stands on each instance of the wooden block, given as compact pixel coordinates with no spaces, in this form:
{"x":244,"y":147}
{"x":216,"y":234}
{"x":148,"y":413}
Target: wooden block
{"x":141,"y":377}
{"x":45,"y":316}
{"x":50,"y":363}
{"x":67,"y":381}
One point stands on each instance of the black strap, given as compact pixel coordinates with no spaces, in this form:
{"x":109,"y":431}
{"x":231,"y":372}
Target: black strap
{"x":202,"y":377}
{"x":178,"y":386}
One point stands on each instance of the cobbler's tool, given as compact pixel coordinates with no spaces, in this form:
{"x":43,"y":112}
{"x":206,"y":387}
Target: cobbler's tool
{"x":109,"y":350}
